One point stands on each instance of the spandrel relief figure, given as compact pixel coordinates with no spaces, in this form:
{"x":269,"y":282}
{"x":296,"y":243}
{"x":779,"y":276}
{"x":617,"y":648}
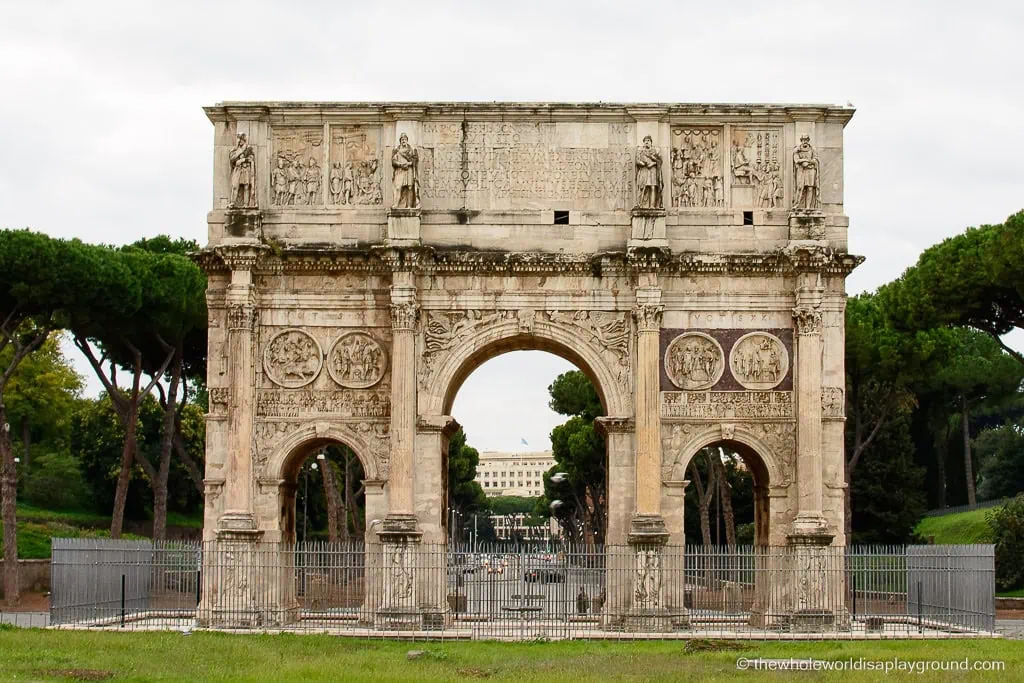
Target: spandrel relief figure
{"x":404,"y":161}
{"x":806,"y":168}
{"x":648,"y":176}
{"x":243,"y":174}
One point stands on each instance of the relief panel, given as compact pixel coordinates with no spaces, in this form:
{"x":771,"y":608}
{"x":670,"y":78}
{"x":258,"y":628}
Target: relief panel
{"x":694,"y":361}
{"x":759,"y":361}
{"x":697,"y":167}
{"x":355,"y":174}
{"x":757,"y":168}
{"x":296,"y":174}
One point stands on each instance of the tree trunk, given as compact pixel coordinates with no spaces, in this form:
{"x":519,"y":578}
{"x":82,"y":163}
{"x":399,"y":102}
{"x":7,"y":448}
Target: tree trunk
{"x":130,"y":420}
{"x":26,"y":442}
{"x":725,"y":491}
{"x":9,"y":493}
{"x":965,"y":420}
{"x":166,"y":446}
{"x":848,"y":505}
{"x":941,"y":451}
{"x":333,"y":502}
{"x":704,"y":496}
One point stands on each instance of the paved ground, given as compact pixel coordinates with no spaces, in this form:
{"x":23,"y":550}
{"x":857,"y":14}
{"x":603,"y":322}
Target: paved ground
{"x":1011,"y":628}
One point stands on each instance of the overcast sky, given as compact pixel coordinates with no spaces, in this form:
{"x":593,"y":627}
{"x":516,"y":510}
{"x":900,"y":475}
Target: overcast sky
{"x":102,"y":134}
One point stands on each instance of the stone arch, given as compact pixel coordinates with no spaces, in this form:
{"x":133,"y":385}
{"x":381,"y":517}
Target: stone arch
{"x":612,"y":383}
{"x":767,"y":465}
{"x":291,"y":451}
{"x":770,"y":465}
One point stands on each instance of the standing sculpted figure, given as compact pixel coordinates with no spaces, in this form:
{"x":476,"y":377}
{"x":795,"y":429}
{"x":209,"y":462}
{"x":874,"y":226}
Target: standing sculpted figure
{"x":336,"y":183}
{"x":648,"y":176}
{"x":243,"y":173}
{"x":405,"y":184}
{"x":805,"y":164}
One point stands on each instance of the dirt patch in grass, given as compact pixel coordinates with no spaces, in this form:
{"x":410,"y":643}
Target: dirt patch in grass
{"x":79,"y":674}
{"x":473,"y":673}
{"x":706,"y":645}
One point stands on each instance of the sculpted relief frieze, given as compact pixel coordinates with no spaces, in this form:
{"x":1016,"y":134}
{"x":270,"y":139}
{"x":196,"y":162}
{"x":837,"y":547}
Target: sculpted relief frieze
{"x":606,"y":330}
{"x":697,"y":170}
{"x":833,"y":402}
{"x":297,"y":168}
{"x":292,"y":359}
{"x":744,"y":405}
{"x":346,"y":403}
{"x":694,"y":361}
{"x":756,"y":169}
{"x":759,"y":361}
{"x":356,"y":361}
{"x":355,"y":177}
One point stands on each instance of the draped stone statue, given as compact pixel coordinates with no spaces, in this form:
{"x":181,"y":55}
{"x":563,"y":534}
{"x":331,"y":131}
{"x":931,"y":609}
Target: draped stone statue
{"x":807,"y":171}
{"x":405,"y":160}
{"x":648,"y":176}
{"x":243,"y":174}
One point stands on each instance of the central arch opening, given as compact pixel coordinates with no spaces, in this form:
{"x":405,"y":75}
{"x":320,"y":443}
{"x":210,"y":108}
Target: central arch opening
{"x":527,"y":408}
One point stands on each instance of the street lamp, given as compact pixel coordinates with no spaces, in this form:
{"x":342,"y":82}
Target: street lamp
{"x":305,"y":498}
{"x":559,"y":477}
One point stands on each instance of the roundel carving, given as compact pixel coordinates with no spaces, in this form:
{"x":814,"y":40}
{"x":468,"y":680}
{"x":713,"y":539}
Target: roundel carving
{"x":292,"y":359}
{"x":356,"y":360}
{"x":694,"y":361}
{"x":759,"y":361}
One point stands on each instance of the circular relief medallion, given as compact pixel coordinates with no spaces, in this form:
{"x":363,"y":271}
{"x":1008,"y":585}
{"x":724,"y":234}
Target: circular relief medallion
{"x":292,"y":359}
{"x":357,"y":361}
{"x":759,"y":361}
{"x":694,"y":361}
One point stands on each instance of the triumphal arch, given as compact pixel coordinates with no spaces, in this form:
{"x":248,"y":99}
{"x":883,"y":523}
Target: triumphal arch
{"x":364,"y":258}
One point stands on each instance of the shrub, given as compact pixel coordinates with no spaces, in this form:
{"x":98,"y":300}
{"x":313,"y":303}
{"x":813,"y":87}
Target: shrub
{"x":1007,"y":523}
{"x":56,"y":482}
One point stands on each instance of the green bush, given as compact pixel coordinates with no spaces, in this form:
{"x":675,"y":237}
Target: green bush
{"x":56,"y":482}
{"x":1007,"y":524}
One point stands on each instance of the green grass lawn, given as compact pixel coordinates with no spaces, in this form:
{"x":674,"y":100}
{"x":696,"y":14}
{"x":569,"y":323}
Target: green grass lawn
{"x":36,"y":526}
{"x":1019,"y":593}
{"x":962,"y":527}
{"x":31,"y":654}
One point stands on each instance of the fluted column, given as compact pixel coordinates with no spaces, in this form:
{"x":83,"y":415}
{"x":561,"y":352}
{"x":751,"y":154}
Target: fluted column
{"x":809,"y":345}
{"x":404,"y":314}
{"x":647,"y":525}
{"x":241,"y":330}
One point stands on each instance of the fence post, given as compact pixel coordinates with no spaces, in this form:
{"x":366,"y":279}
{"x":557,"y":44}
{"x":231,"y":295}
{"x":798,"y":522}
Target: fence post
{"x":122,"y":600}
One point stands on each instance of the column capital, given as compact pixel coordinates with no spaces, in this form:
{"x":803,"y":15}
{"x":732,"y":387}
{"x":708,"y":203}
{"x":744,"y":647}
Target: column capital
{"x":808,"y":319}
{"x":241,"y":256}
{"x":242,"y":316}
{"x":648,"y":317}
{"x":615,"y":425}
{"x":404,"y":315}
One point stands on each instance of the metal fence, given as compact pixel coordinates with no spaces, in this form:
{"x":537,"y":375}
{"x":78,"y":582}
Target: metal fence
{"x":940,"y":512}
{"x":502,"y":592}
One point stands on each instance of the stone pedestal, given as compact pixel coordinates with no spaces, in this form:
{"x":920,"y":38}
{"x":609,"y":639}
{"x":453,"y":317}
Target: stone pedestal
{"x":806,"y":224}
{"x":243,"y":223}
{"x":648,"y":229}
{"x":817,"y":587}
{"x":403,"y":227}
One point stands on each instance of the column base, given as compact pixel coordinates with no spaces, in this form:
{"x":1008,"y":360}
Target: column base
{"x":810,"y":530}
{"x":397,"y":528}
{"x":807,"y":224}
{"x":238,"y":525}
{"x":647,"y":530}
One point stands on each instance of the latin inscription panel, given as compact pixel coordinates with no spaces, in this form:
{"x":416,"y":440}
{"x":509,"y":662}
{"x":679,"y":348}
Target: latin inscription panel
{"x":520,"y":165}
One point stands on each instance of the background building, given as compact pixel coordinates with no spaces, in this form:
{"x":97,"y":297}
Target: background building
{"x":513,"y":474}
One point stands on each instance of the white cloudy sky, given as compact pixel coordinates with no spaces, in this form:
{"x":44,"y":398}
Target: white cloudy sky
{"x":102,"y":135}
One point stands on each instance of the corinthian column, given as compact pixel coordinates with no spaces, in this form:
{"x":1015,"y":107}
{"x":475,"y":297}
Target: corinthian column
{"x":401,"y":519}
{"x":648,"y":526}
{"x":241,"y":326}
{"x":809,"y":344}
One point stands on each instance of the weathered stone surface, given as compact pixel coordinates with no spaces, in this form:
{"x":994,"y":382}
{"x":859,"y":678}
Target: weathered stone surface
{"x":690,"y":258}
